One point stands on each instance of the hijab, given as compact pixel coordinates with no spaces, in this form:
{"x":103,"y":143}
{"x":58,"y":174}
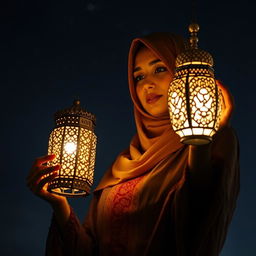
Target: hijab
{"x":155,"y":138}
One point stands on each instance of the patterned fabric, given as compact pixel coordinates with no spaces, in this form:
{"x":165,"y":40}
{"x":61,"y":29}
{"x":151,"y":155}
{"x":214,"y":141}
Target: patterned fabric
{"x":120,"y":203}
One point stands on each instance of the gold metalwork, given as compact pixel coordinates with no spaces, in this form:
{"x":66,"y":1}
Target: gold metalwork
{"x":74,"y":143}
{"x":193,"y":97}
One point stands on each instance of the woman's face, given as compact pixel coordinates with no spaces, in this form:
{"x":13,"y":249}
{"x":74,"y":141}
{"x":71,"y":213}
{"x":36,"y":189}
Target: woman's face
{"x":152,"y":81}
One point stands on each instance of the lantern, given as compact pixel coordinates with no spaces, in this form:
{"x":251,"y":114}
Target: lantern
{"x":193,"y":97}
{"x":74,"y":143}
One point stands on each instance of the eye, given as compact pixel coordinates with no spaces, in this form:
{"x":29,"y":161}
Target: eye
{"x":139,"y":77}
{"x":160,"y":69}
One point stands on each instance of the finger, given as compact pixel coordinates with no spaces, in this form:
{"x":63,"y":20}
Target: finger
{"x":227,"y":96}
{"x":40,"y":188}
{"x":39,"y":161}
{"x":227,"y":101}
{"x":40,"y":174}
{"x":43,"y":159}
{"x":220,"y":83}
{"x":44,"y":181}
{"x":228,"y":104}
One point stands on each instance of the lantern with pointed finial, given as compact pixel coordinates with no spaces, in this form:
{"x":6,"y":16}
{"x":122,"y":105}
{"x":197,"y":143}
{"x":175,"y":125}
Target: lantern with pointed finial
{"x":193,"y":97}
{"x":74,"y":143}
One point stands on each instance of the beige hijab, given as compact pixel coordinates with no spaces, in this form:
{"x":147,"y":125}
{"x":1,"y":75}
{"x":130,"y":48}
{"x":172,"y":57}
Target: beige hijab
{"x":155,"y":138}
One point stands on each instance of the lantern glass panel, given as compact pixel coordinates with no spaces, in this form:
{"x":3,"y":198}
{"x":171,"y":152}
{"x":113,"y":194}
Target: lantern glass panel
{"x":76,"y":157}
{"x":187,"y":132}
{"x":55,"y":141}
{"x":177,"y":104}
{"x":194,"y":102}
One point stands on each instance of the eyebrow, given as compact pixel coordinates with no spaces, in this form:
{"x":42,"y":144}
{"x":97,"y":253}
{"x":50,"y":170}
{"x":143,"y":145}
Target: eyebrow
{"x":150,"y":64}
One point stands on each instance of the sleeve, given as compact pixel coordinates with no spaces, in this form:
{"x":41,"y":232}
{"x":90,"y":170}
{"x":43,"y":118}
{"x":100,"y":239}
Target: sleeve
{"x":202,"y":218}
{"x":75,"y":240}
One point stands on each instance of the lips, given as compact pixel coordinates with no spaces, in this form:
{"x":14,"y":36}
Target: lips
{"x":152,"y":98}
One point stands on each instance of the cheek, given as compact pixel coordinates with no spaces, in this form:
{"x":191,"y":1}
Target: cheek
{"x":139,"y":93}
{"x":169,"y":80}
{"x":166,"y":83}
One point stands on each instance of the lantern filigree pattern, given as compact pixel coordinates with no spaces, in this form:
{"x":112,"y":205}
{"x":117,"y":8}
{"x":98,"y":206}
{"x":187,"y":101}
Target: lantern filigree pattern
{"x":74,"y":143}
{"x":193,"y":97}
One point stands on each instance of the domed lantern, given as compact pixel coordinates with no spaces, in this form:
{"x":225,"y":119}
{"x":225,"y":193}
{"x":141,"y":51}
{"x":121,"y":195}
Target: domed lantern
{"x":74,"y":143}
{"x":193,"y":98}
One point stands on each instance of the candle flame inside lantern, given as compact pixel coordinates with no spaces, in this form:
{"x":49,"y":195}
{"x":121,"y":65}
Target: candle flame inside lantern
{"x":70,"y":147}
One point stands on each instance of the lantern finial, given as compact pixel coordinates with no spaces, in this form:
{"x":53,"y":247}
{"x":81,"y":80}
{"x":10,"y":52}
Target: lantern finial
{"x":76,"y":102}
{"x":193,"y":29}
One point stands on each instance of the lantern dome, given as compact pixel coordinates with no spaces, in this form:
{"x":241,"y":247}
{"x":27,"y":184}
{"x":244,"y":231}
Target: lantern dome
{"x":194,"y":56}
{"x":75,"y":116}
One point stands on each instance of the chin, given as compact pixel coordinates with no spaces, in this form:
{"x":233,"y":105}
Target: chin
{"x":158,"y":114}
{"x":158,"y":110}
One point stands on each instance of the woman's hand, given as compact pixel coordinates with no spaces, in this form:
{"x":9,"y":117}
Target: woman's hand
{"x":227,"y":105}
{"x":37,"y":180}
{"x":39,"y":177}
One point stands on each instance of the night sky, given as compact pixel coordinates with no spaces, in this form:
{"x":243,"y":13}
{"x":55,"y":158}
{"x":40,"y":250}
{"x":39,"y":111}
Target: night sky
{"x":54,"y":51}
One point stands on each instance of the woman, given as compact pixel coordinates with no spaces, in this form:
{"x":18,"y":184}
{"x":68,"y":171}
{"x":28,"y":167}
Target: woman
{"x":159,"y":197}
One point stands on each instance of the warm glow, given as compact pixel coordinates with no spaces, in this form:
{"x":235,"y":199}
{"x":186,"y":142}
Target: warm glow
{"x":75,"y":160}
{"x":194,"y":109}
{"x":73,"y":142}
{"x":194,"y":100}
{"x":70,"y":147}
{"x":193,"y":63}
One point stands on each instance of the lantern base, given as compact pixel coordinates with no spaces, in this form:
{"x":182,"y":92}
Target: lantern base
{"x":69,"y":187}
{"x":68,"y":192}
{"x":196,"y":140}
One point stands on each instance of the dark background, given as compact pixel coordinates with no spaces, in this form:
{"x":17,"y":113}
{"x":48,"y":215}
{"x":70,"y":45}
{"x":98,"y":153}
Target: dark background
{"x":53,"y":51}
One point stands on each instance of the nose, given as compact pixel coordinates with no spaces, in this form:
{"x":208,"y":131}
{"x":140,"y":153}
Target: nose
{"x":149,"y":84}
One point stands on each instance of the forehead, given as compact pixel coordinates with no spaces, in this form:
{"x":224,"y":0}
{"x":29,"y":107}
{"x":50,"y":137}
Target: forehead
{"x":143,"y":56}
